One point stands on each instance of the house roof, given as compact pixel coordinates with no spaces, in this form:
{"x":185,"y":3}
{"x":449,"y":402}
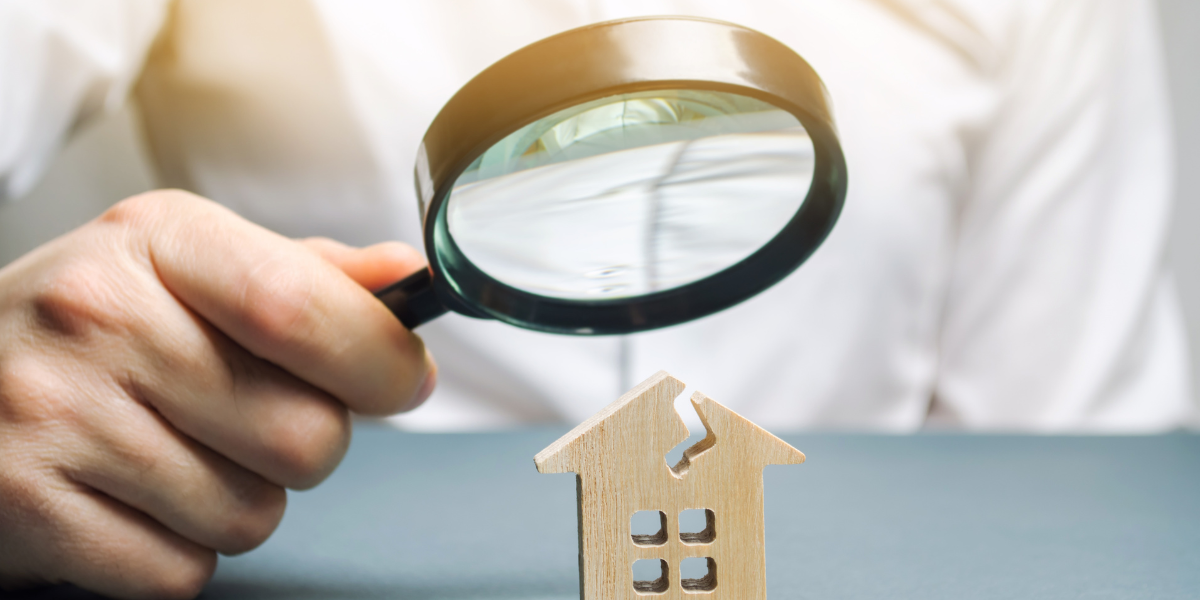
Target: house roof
{"x":727,"y":427}
{"x":557,"y":457}
{"x":646,"y":415}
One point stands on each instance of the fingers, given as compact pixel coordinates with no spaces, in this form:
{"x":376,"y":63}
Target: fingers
{"x":217,"y":393}
{"x":175,"y":368}
{"x":286,"y":305}
{"x":374,"y":267}
{"x":54,"y":530}
{"x":136,"y":458}
{"x":110,"y":548}
{"x":248,"y":410}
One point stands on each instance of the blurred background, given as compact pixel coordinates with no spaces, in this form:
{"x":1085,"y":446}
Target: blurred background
{"x":106,"y":161}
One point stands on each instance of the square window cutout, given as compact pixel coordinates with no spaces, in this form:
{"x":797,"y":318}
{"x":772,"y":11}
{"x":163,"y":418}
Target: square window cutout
{"x":698,"y":575}
{"x":650,"y":576}
{"x":648,"y":527}
{"x":697,"y":526}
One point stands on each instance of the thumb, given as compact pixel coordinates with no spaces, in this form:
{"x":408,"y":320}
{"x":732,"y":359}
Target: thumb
{"x":374,"y":267}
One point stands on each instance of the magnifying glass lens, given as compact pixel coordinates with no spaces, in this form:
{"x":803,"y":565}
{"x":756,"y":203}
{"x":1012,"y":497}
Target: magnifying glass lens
{"x":631,"y":194}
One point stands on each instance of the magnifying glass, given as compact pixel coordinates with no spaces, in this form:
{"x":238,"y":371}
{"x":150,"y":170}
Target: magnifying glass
{"x":624,"y":176}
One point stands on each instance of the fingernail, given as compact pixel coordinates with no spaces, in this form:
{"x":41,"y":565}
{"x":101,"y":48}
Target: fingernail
{"x":426,"y":387}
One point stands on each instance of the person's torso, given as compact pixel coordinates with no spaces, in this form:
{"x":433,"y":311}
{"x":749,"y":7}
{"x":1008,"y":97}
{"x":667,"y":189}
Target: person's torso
{"x":306,"y":118}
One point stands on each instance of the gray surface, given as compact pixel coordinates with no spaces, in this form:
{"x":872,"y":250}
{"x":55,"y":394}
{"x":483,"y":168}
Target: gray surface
{"x":922,"y":517}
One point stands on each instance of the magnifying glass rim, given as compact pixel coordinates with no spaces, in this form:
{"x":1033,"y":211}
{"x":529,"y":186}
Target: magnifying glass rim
{"x":465,"y":288}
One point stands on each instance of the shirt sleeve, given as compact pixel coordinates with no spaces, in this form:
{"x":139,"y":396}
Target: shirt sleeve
{"x":62,"y":61}
{"x":1060,"y":313}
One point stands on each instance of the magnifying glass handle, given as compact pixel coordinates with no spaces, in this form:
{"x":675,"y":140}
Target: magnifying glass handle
{"x":412,"y":299}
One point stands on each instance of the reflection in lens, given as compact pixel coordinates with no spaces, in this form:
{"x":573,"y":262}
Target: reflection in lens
{"x":632,"y":194}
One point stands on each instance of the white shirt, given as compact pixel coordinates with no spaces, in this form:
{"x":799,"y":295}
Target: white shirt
{"x":998,"y":264}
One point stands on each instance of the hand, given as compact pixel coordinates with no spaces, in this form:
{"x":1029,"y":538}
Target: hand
{"x":165,"y":372}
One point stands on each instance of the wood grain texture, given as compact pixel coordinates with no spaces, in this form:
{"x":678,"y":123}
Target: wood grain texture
{"x":619,"y":457}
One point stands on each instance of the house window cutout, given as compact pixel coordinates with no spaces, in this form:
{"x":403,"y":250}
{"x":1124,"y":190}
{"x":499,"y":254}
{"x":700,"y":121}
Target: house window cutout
{"x":648,"y":527}
{"x":703,"y":573}
{"x":644,"y":573}
{"x":697,"y":526}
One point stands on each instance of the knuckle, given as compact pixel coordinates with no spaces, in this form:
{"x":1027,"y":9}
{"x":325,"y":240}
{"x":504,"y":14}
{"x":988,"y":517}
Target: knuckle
{"x":255,"y":521}
{"x":133,"y":211}
{"x":309,"y":443}
{"x":32,"y":391}
{"x":145,"y":455}
{"x":137,"y":210}
{"x":404,"y":381}
{"x":322,"y":245}
{"x":28,"y":499}
{"x":184,"y":578}
{"x":404,"y":252}
{"x":276,"y":302}
{"x":79,"y":299}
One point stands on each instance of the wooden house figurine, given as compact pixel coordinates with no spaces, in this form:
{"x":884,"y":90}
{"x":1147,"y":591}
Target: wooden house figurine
{"x":619,"y":457}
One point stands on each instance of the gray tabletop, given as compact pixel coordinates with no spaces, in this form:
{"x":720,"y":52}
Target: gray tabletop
{"x":928,"y":516}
